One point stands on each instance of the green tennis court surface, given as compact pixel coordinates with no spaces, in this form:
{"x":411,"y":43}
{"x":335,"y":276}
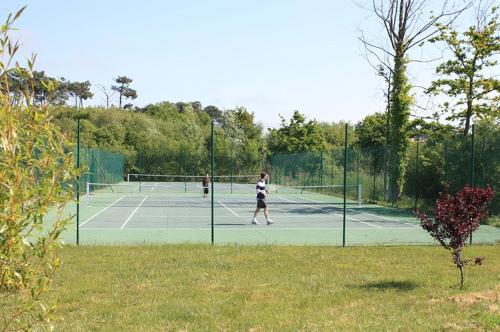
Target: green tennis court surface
{"x":174,"y":212}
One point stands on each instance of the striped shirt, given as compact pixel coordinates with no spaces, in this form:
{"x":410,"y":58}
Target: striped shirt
{"x":261,"y":189}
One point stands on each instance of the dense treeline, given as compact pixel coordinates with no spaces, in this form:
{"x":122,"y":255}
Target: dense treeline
{"x":168,"y":138}
{"x":174,"y":138}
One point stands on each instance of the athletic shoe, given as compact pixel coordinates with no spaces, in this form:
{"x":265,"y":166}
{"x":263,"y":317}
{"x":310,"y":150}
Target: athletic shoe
{"x":269,"y":222}
{"x":255,"y":222}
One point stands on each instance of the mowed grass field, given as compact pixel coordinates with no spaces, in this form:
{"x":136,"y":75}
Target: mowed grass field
{"x":274,"y":288}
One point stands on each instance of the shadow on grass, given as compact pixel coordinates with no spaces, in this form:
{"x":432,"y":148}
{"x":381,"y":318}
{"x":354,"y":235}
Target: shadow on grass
{"x":389,"y":284}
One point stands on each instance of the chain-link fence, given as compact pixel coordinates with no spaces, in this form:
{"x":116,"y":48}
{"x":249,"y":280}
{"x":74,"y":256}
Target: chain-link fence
{"x":343,"y":196}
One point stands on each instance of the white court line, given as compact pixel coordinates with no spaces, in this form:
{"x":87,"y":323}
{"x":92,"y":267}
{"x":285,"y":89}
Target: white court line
{"x":334,"y":213}
{"x":153,"y":187}
{"x":101,"y":211}
{"x":228,"y":208}
{"x":367,"y":213}
{"x":393,"y":220}
{"x":133,"y":212}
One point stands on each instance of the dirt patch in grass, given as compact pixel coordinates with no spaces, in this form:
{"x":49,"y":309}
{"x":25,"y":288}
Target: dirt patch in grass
{"x":490,"y":297}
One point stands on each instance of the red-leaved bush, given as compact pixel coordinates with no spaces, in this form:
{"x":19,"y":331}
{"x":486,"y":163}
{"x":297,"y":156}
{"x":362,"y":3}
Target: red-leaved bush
{"x":457,"y":216}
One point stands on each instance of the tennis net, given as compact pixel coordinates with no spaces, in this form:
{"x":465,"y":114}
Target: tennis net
{"x":136,"y":177}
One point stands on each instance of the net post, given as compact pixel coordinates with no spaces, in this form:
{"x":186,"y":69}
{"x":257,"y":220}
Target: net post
{"x":128,"y":177}
{"x":345,"y":188}
{"x":87,"y":193}
{"x":78,"y":181}
{"x":212,"y":182}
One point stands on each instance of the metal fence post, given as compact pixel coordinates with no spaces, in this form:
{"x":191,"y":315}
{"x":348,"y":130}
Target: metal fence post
{"x":472,"y":157}
{"x":472,"y":168}
{"x":213,"y":180}
{"x":446,"y":161}
{"x":345,"y":188}
{"x":78,"y":182}
{"x":357,"y":173}
{"x":416,"y":177}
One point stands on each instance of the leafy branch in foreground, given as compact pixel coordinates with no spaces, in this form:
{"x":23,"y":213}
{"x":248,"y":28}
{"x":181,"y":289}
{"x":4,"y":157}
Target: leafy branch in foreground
{"x":36,"y":174}
{"x":457,"y":216}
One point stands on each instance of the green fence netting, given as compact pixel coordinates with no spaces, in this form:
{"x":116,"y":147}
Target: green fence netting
{"x":100,"y":166}
{"x":340,"y":196}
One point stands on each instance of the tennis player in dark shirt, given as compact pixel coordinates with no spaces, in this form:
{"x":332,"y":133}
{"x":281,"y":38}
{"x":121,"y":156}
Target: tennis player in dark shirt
{"x":205,"y":183}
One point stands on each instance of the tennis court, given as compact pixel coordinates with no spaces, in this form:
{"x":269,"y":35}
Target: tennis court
{"x":167,"y":212}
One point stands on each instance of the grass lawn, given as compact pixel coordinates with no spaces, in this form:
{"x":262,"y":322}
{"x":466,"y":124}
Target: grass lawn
{"x":273,"y":288}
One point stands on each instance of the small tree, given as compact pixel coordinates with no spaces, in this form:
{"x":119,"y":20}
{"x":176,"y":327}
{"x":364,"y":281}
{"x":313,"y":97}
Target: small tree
{"x":107,"y":94}
{"x":467,"y":77}
{"x":124,"y":90}
{"x":457,"y":216}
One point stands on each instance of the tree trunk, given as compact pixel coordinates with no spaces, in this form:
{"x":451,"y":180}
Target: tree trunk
{"x":461,"y":276}
{"x":399,"y":115}
{"x":387,"y":120}
{"x":457,"y":259}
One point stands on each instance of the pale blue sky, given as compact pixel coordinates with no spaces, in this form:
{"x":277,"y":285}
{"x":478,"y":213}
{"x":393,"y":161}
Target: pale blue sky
{"x":270,"y":56}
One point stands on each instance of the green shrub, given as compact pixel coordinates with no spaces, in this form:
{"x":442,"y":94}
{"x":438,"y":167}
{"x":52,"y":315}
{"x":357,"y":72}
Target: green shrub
{"x":36,"y":177}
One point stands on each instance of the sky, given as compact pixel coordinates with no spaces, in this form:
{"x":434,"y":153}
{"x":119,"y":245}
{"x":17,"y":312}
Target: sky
{"x":272,"y":57}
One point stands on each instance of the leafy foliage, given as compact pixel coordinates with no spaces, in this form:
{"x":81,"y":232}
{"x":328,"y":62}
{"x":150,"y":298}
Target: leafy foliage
{"x":124,"y":90}
{"x":35,"y":177}
{"x":465,"y":76}
{"x":297,"y":136}
{"x":171,"y":138}
{"x":457,"y":216}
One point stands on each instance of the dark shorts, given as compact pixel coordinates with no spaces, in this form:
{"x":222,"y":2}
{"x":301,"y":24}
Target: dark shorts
{"x":261,"y":203}
{"x":205,"y":190}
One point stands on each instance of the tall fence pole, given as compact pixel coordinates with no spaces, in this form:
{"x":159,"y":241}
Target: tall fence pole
{"x":78,"y":182}
{"x":446,"y":161}
{"x":333,"y":167}
{"x":213,"y":180}
{"x":345,"y":187}
{"x":481,"y":175}
{"x":185,"y":171}
{"x":416,"y":177}
{"x":385,"y":172}
{"x":472,"y":182}
{"x":472,"y":157}
{"x":358,"y":192}
{"x":321,"y":171}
